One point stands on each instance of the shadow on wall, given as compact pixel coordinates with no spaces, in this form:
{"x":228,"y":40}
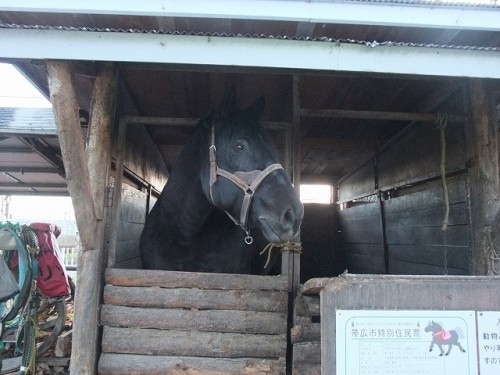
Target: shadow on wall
{"x":320,"y":257}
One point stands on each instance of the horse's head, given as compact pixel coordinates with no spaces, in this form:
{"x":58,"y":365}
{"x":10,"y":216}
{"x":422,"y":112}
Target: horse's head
{"x":432,"y":326}
{"x":241,"y":174}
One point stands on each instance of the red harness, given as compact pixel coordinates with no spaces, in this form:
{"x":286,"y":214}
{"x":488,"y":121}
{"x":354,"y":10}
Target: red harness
{"x":442,"y":335}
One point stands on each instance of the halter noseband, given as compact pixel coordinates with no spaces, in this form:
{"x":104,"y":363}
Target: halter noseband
{"x":246,"y":181}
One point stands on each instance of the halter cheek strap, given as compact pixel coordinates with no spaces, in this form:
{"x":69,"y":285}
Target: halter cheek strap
{"x":247,"y":181}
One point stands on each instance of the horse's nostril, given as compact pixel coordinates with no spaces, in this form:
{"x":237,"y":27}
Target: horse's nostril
{"x":288,"y":216}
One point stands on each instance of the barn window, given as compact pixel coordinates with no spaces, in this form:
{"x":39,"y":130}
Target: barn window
{"x":316,"y":194}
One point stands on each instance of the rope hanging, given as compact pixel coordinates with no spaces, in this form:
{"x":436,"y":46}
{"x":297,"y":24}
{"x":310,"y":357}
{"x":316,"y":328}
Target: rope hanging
{"x":295,"y":247}
{"x":441,"y":122}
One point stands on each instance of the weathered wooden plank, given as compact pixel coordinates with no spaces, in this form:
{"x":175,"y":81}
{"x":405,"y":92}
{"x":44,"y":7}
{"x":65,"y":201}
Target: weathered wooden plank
{"x":306,"y":369}
{"x":127,"y":250}
{"x":312,"y":304}
{"x":199,"y":320}
{"x":430,"y":235}
{"x":367,"y":257}
{"x":130,"y":264}
{"x":361,"y":224}
{"x":252,"y":300}
{"x":483,"y":174}
{"x":314,"y":286}
{"x":133,"y":205}
{"x":306,"y":354}
{"x":429,"y":197}
{"x":192,"y":343}
{"x":431,"y":255}
{"x":358,"y":183}
{"x":129,"y":231}
{"x":401,"y":267}
{"x":176,"y":279}
{"x":399,"y":162}
{"x":119,"y":364}
{"x":420,"y":216}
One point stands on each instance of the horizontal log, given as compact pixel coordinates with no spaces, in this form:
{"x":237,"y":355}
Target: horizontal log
{"x":306,"y":332}
{"x":307,"y":352}
{"x":188,"y":122}
{"x":197,"y":320}
{"x":118,"y":364}
{"x":306,"y":306}
{"x":192,"y":343}
{"x":306,"y":368}
{"x":314,"y":286}
{"x":176,"y":279}
{"x":256,"y":300}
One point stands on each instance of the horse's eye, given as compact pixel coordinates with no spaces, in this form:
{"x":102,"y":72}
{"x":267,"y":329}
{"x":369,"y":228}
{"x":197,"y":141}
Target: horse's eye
{"x":239,"y":147}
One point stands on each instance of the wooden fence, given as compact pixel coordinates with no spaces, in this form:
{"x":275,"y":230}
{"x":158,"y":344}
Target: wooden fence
{"x":178,"y":322}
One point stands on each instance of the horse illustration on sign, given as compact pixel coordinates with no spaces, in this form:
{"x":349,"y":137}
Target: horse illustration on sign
{"x":442,"y":337}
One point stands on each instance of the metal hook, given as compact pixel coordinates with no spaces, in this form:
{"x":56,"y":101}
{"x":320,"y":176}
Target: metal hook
{"x":248,"y":238}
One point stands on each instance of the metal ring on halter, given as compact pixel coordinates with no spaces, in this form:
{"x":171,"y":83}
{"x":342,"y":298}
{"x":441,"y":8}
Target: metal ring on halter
{"x":248,"y":238}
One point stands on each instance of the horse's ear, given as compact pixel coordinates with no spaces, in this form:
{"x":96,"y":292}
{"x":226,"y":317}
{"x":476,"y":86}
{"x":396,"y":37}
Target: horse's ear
{"x":256,"y":109}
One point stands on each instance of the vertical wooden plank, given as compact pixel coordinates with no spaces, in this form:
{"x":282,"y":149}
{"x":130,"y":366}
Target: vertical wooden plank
{"x":117,"y":192}
{"x":381,"y":208}
{"x":483,"y":174}
{"x":101,"y":127}
{"x":291,"y":260}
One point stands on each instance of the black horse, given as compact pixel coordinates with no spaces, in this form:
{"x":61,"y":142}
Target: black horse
{"x":227,"y":174}
{"x":442,"y":337}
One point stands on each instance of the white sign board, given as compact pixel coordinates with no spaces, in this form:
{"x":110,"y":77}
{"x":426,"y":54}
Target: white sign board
{"x":488,"y":337}
{"x":409,"y":342}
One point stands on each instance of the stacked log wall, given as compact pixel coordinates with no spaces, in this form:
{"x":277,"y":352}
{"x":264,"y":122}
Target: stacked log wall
{"x":306,"y":332}
{"x":162,"y":322}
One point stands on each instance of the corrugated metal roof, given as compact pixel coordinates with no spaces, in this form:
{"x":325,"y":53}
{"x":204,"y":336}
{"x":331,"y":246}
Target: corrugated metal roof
{"x":373,"y":43}
{"x":437,"y":3}
{"x":24,"y":169}
{"x":27,"y":121}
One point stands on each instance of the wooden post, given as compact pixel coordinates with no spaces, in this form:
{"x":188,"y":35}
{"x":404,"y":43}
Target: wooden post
{"x":65,"y":105}
{"x":483,"y":174}
{"x":89,"y":208}
{"x":290,"y":263}
{"x":101,"y":128}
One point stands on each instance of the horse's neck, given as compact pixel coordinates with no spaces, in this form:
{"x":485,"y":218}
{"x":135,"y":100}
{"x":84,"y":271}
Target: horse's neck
{"x":188,"y":206}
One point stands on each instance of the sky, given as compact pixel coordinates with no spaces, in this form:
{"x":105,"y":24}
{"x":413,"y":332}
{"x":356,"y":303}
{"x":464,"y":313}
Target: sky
{"x":17,"y":91}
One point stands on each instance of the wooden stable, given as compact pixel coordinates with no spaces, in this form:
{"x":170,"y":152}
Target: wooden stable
{"x":397,"y":186}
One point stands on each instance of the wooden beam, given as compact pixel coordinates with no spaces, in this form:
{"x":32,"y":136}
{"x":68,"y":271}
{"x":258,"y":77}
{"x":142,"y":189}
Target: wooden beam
{"x":483,"y":175}
{"x":187,"y":122}
{"x":377,"y":115}
{"x":32,"y":185}
{"x":100,"y":131}
{"x":65,"y":105}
